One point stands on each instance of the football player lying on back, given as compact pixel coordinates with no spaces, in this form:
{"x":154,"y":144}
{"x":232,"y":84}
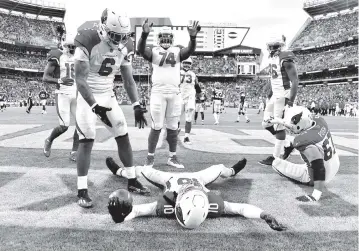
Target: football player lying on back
{"x":185,"y":197}
{"x":315,"y":144}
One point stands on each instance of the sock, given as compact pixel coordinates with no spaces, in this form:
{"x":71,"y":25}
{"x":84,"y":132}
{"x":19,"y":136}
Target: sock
{"x":130,"y":172}
{"x":75,"y":143}
{"x":238,"y":118}
{"x":153,"y":140}
{"x":125,"y":150}
{"x":202,"y":115}
{"x":56,"y":132}
{"x":195,"y":116}
{"x":151,"y":154}
{"x":171,"y":154}
{"x":278,"y":146}
{"x":120,"y":173}
{"x":215,"y":117}
{"x":246,"y":117}
{"x":188,"y":127}
{"x":218,"y":115}
{"x":172,"y":140}
{"x":43,"y":108}
{"x":81,"y":182}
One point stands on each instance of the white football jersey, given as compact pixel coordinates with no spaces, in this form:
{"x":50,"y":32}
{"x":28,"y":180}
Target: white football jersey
{"x":188,"y":81}
{"x":175,"y":183}
{"x":166,"y":69}
{"x":67,"y":69}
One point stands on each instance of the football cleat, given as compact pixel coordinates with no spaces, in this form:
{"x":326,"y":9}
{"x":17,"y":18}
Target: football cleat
{"x":138,"y":188}
{"x":47,"y":147}
{"x":111,"y":164}
{"x":84,"y":199}
{"x":287,"y":151}
{"x":150,"y":160}
{"x":216,"y":123}
{"x":237,"y":121}
{"x":173,"y":161}
{"x":202,"y":122}
{"x":239,"y":166}
{"x":28,"y":111}
{"x":187,"y":141}
{"x":267,"y":162}
{"x":73,"y":156}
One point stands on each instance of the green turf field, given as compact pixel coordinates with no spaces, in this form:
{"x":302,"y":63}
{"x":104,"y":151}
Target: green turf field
{"x":38,"y":209}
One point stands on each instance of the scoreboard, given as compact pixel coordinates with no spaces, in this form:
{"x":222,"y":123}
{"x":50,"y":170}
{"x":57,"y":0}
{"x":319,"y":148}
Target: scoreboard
{"x":209,"y":39}
{"x":247,"y":68}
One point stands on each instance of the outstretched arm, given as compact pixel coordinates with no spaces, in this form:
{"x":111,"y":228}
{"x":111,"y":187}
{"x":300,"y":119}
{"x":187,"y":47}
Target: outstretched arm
{"x":129,"y":83}
{"x":293,"y":77}
{"x":145,"y":52}
{"x":189,"y":50}
{"x":148,"y":209}
{"x":252,"y":212}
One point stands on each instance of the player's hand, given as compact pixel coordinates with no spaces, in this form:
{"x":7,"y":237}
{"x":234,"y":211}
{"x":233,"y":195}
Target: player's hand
{"x":288,"y":102}
{"x":146,"y":28}
{"x":306,"y":198}
{"x":66,"y":81}
{"x":273,"y":223}
{"x":194,"y":28}
{"x":119,"y":209}
{"x":101,"y":113}
{"x":140,"y":119}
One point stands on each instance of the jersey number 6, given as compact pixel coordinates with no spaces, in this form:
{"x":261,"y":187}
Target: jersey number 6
{"x":106,"y":68}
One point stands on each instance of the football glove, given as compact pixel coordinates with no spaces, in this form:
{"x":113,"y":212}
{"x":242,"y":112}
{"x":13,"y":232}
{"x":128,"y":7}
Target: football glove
{"x":119,"y":209}
{"x":306,"y":198}
{"x":273,"y":223}
{"x":140,"y":119}
{"x":101,"y":111}
{"x":146,"y":28}
{"x":66,"y":81}
{"x":194,"y":29}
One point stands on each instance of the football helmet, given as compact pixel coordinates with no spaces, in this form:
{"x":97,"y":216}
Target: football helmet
{"x":117,"y":27}
{"x":187,"y":64}
{"x":217,"y":85}
{"x":68,"y":44}
{"x":298,"y":119}
{"x":192,"y":206}
{"x":165,"y":37}
{"x":275,"y":44}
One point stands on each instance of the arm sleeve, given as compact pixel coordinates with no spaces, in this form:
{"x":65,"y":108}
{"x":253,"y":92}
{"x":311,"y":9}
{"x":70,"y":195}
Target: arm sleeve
{"x":146,"y":53}
{"x":189,"y":50}
{"x":81,"y":54}
{"x":129,"y":54}
{"x":246,"y":210}
{"x":141,"y":210}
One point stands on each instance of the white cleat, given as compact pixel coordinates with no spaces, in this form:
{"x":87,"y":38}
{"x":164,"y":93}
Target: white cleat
{"x":173,"y":161}
{"x":216,"y":123}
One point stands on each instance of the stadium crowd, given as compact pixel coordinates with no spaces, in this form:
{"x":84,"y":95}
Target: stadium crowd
{"x":20,"y":60}
{"x":27,"y":30}
{"x":216,"y":65}
{"x":328,"y":29}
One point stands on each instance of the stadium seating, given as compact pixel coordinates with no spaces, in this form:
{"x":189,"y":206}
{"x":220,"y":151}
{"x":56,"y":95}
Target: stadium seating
{"x":327,"y":30}
{"x":19,"y":60}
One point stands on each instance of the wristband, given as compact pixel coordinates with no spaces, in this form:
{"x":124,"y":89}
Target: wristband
{"x":93,"y":105}
{"x":193,"y":38}
{"x":144,"y":35}
{"x":135,"y":103}
{"x":316,"y":194}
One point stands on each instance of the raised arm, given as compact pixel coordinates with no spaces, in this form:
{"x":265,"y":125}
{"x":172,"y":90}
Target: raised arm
{"x":190,"y":49}
{"x":144,"y":51}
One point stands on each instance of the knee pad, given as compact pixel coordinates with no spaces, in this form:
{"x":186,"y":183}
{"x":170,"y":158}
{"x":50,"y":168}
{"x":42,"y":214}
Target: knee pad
{"x":64,"y":128}
{"x":189,"y":115}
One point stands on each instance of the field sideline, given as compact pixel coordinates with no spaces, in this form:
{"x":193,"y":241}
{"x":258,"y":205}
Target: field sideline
{"x":38,"y":208}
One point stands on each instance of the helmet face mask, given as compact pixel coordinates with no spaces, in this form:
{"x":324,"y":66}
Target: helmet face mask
{"x":275,"y":45}
{"x":68,"y":44}
{"x":165,"y":37}
{"x":117,"y":27}
{"x":187,"y":64}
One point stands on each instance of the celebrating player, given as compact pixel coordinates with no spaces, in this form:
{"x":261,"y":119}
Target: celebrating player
{"x":242,"y":108}
{"x":217,"y":99}
{"x":60,"y":71}
{"x":99,"y":55}
{"x":284,"y":85}
{"x":185,"y":198}
{"x":189,"y":88}
{"x":200,"y":104}
{"x":315,"y":144}
{"x":165,"y":100}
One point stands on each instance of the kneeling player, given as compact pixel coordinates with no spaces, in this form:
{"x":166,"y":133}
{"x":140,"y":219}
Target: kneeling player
{"x":242,"y":108}
{"x":185,"y":197}
{"x":315,"y":144}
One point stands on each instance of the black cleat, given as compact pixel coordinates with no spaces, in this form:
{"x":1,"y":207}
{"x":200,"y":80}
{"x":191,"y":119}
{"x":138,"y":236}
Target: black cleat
{"x":239,"y":166}
{"x":137,"y":187}
{"x":287,"y":151}
{"x":84,"y":199}
{"x":267,"y":162}
{"x":111,"y":164}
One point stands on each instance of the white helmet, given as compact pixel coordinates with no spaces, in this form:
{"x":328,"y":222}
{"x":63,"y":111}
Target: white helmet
{"x":117,"y":27}
{"x":68,"y":43}
{"x":191,"y":206}
{"x":276,"y":43}
{"x":297,"y":119}
{"x":187,"y":64}
{"x":165,"y":37}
